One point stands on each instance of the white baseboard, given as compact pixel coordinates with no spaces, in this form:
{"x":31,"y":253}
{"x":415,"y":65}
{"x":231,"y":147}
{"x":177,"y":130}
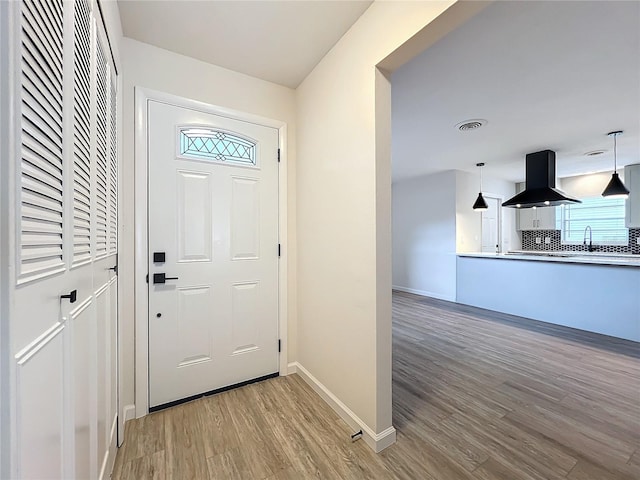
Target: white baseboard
{"x":113,"y":448}
{"x":105,"y":473}
{"x":376,"y":441}
{"x":424,"y":293}
{"x":129,"y":412}
{"x":292,"y":368}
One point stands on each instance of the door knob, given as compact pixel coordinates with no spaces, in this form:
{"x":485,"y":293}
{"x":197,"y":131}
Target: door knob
{"x":71,"y":296}
{"x":162,"y":278}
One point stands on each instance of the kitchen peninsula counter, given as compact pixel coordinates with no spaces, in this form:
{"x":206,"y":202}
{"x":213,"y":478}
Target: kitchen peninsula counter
{"x":596,"y":293}
{"x":595,"y":258}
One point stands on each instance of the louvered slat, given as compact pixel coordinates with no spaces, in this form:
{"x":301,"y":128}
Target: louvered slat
{"x":113,"y":172}
{"x":81,"y":134}
{"x":101,"y":152}
{"x":34,"y":168}
{"x":39,"y":46}
{"x":40,"y":104}
{"x":41,"y":203}
{"x":52,"y":11}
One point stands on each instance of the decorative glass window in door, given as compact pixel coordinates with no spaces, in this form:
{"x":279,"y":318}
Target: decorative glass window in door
{"x":217,"y":146}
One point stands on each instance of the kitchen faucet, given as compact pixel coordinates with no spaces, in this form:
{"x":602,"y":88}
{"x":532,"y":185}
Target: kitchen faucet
{"x":590,"y":248}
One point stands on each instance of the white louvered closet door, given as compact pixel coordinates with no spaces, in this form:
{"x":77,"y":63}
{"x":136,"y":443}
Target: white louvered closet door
{"x":105,"y":233}
{"x":66,"y":170}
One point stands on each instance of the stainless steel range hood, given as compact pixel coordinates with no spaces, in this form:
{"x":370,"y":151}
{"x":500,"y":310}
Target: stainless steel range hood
{"x":540,"y":184}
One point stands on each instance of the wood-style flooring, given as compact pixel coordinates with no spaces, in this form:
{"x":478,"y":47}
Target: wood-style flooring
{"x":477,"y":395}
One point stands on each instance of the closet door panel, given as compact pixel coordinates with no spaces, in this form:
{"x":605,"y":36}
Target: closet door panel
{"x":65,"y":230}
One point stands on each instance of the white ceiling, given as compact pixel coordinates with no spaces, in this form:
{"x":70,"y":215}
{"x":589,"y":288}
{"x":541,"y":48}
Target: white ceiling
{"x":278,"y":41}
{"x":556,"y":75}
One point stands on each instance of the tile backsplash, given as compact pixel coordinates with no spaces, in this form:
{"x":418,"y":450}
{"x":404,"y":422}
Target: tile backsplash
{"x":555,"y":243}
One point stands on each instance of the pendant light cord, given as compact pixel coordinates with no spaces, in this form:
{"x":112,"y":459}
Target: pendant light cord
{"x":615,"y":153}
{"x":615,"y":134}
{"x":480,"y":165}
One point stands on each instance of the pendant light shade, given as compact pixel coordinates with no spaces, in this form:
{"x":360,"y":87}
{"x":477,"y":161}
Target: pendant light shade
{"x":615,"y":188}
{"x":480,"y":204}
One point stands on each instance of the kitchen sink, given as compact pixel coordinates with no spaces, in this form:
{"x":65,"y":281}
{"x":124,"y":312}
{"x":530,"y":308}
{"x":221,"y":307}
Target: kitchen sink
{"x":545,"y":254}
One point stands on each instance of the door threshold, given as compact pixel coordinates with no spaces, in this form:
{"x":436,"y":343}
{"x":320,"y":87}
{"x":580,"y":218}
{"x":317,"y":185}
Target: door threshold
{"x":211,"y":392}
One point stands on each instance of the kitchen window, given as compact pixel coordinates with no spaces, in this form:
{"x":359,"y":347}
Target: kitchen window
{"x":605,"y":216}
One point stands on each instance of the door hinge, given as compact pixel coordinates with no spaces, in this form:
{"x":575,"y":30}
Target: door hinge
{"x":147,"y":280}
{"x":278,"y":155}
{"x":278,"y":250}
{"x":279,"y":345}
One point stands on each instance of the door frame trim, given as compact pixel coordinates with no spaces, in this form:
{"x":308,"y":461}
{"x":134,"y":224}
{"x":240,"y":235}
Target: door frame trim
{"x":141,"y":292}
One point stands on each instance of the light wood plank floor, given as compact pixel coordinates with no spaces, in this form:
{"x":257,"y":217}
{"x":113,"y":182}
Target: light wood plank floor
{"x":477,"y":395}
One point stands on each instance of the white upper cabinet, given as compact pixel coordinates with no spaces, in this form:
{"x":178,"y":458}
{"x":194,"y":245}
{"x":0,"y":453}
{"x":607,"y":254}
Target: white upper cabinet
{"x":632,"y":182}
{"x":546,"y":217}
{"x":542,"y":218}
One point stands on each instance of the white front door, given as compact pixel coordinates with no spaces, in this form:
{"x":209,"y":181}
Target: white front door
{"x":213,"y":234}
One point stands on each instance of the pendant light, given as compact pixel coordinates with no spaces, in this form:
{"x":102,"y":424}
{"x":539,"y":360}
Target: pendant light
{"x":480,"y":204}
{"x":615,"y":188}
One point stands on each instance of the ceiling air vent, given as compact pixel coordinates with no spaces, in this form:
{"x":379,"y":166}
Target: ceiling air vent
{"x":471,"y":124}
{"x":594,"y":153}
